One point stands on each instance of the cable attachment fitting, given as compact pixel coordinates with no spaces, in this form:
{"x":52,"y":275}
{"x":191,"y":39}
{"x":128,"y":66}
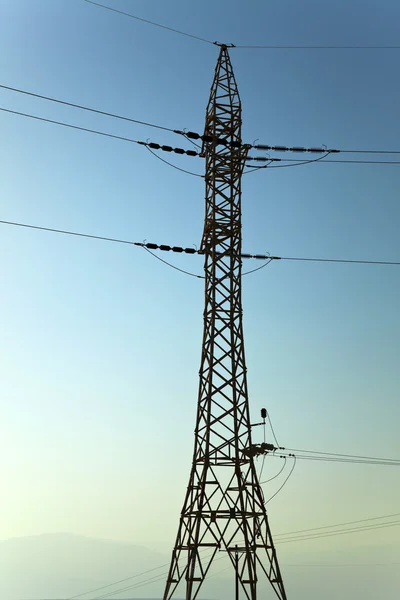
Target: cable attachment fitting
{"x":221,"y":45}
{"x":257,"y":449}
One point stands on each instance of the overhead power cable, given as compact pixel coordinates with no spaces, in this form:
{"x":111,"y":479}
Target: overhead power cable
{"x":196,"y":37}
{"x":293,"y":534}
{"x":301,"y":163}
{"x":293,"y":163}
{"x":382,"y":463}
{"x":147,"y":245}
{"x":313,"y":150}
{"x":325,"y":160}
{"x":270,"y":47}
{"x":170,"y":148}
{"x":323,"y":457}
{"x":340,"y":565}
{"x":282,"y":452}
{"x":313,"y":259}
{"x":370,"y":151}
{"x":191,"y":135}
{"x":29,"y":116}
{"x":268,"y":261}
{"x":139,"y":584}
{"x":87,"y":108}
{"x":341,"y":455}
{"x":180,"y":249}
{"x":277,"y":542}
{"x":171,"y":265}
{"x":308,"y":47}
{"x":153,"y":145}
{"x":297,"y":149}
{"x":274,"y":476}
{"x":339,"y":532}
{"x":337,"y":260}
{"x":365,"y":162}
{"x":103,"y":587}
{"x":272,"y":429}
{"x":174,"y":166}
{"x":284,"y":482}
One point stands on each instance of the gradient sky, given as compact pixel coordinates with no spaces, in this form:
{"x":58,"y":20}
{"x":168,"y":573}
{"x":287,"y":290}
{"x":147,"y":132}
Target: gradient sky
{"x":101,"y":342}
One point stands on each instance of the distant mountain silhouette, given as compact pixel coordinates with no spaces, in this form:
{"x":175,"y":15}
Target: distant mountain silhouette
{"x":63,"y":565}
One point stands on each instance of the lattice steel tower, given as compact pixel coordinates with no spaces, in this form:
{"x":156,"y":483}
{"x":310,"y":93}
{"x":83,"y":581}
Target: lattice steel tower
{"x":224,"y":509}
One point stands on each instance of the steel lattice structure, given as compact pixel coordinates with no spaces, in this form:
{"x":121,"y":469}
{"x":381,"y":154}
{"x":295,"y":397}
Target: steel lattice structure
{"x":224,"y":508}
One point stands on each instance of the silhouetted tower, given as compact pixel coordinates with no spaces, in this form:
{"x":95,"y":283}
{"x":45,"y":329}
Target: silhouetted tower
{"x":224,"y":509}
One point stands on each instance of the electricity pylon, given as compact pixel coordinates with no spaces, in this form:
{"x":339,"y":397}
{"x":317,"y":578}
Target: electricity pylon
{"x":224,"y":508}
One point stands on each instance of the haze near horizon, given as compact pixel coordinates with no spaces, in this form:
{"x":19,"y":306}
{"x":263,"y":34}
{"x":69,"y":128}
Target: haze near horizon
{"x":101,"y":342}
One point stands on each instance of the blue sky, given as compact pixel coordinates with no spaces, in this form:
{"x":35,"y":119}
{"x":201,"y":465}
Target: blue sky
{"x":101,"y":342}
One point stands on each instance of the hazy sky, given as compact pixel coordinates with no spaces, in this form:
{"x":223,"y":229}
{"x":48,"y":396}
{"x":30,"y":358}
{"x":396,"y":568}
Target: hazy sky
{"x":101,"y":342}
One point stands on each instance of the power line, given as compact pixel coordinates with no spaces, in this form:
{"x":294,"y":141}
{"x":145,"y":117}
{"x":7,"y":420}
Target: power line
{"x":369,"y":151}
{"x":272,"y":429}
{"x":284,"y":535}
{"x":270,"y":47}
{"x":146,"y":245}
{"x":294,"y":161}
{"x":190,"y":135}
{"x":191,"y":152}
{"x":279,"y":541}
{"x":337,"y":525}
{"x":313,"y":259}
{"x":275,"y":476}
{"x":143,"y":245}
{"x":341,"y":455}
{"x":331,"y":457}
{"x":103,"y":587}
{"x":173,"y":266}
{"x":89,"y":109}
{"x":29,"y":116}
{"x":179,"y":249}
{"x":297,"y":565}
{"x":75,"y":233}
{"x":336,"y":565}
{"x":327,"y":160}
{"x":389,"y":463}
{"x":313,"y":150}
{"x":339,"y":532}
{"x":134,"y":586}
{"x":325,"y":456}
{"x":152,"y":579}
{"x":339,"y":260}
{"x":262,"y":469}
{"x":285,"y":481}
{"x":257,"y":268}
{"x":191,"y":141}
{"x":174,"y":166}
{"x":154,"y":145}
{"x":196,"y":37}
